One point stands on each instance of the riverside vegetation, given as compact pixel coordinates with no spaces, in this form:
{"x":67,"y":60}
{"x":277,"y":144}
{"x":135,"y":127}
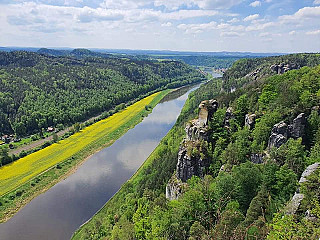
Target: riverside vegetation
{"x":238,"y":197}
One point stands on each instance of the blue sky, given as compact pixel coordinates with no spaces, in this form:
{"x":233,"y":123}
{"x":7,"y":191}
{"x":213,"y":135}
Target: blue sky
{"x":192,"y":25}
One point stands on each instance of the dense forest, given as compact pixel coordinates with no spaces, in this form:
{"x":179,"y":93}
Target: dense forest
{"x":250,"y":69}
{"x":217,"y":62}
{"x":239,"y":197}
{"x":41,"y":90}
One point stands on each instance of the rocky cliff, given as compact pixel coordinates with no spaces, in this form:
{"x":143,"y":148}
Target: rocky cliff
{"x":281,"y":131}
{"x":192,"y":160}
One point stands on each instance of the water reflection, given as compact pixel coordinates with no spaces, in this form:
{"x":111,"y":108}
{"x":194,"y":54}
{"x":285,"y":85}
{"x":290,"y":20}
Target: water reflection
{"x":57,"y":213}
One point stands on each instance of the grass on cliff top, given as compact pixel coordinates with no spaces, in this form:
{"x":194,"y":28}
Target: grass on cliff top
{"x":38,"y":171}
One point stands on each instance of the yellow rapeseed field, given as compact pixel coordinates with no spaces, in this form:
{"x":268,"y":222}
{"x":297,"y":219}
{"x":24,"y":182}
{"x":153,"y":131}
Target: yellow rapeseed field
{"x":24,"y":169}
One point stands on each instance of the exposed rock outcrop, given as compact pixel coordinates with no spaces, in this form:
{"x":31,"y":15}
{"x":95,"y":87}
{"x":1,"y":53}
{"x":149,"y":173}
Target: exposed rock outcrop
{"x":257,"y":158}
{"x":282,"y":67}
{"x":229,"y":115}
{"x":197,"y":129}
{"x":250,"y":120}
{"x":281,"y":132}
{"x":175,"y":188}
{"x":295,"y":202}
{"x":279,"y":135}
{"x":297,"y":128}
{"x":254,"y":74}
{"x":192,"y":160}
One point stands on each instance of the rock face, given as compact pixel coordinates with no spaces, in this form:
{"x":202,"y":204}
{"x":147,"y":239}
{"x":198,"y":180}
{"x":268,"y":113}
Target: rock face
{"x":295,"y":202}
{"x":196,"y":131}
{"x":174,"y":188}
{"x":279,"y":135}
{"x":190,"y":164}
{"x":282,"y":67}
{"x":281,"y":132}
{"x":229,"y":115}
{"x":298,"y":126}
{"x":257,"y":158}
{"x":190,"y":161}
{"x":250,"y":121}
{"x":206,"y":110}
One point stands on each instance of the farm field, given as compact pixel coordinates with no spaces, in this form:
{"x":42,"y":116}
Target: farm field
{"x":79,"y":145}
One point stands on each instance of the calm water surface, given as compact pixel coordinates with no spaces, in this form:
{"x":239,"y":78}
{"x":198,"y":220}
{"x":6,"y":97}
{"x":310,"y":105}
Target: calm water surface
{"x":57,"y":213}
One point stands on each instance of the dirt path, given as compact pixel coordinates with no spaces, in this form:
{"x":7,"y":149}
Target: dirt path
{"x":36,"y":143}
{"x":39,"y":142}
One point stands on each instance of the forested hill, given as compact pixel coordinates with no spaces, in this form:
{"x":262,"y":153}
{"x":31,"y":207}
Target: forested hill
{"x":250,"y":69}
{"x":243,"y":167}
{"x":39,"y":90}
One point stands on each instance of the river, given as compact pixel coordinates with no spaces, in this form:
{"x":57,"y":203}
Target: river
{"x":58,"y":212}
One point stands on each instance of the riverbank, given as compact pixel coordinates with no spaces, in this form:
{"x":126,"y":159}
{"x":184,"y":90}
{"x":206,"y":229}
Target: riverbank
{"x":41,"y":170}
{"x":99,"y":227}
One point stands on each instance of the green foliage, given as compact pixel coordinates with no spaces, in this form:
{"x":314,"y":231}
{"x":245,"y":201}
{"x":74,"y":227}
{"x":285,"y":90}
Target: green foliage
{"x":293,"y":154}
{"x":248,"y":178}
{"x":237,"y":199}
{"x":262,"y":130}
{"x":38,"y":91}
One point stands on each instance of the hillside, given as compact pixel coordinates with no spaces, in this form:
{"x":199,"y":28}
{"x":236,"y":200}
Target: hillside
{"x":253,"y":69}
{"x":38,"y":91}
{"x":234,"y":174}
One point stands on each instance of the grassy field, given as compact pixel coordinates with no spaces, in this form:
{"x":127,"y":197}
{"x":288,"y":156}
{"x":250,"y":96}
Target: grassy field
{"x":27,"y":177}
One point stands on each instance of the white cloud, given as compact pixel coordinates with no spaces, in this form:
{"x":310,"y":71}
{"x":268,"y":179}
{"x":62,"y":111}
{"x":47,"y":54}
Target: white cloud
{"x":260,"y":26}
{"x":302,"y":14}
{"x":316,"y":2}
{"x":255,"y":4}
{"x":230,"y":34}
{"x":234,"y":20}
{"x":171,"y":4}
{"x":316,"y":32}
{"x":217,"y":4}
{"x":251,"y":17}
{"x":167,"y":24}
{"x":292,"y":33}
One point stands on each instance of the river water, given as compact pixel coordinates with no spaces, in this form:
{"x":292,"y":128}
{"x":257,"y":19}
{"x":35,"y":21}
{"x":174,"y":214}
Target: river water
{"x":57,"y":213}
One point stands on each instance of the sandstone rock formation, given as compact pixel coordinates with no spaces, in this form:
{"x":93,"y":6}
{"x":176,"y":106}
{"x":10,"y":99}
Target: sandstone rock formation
{"x":174,"y":188}
{"x":191,"y":158}
{"x":250,"y":121}
{"x":257,"y":158}
{"x":190,"y":163}
{"x":281,"y":132}
{"x":295,"y":202}
{"x":282,"y":67}
{"x":228,"y":117}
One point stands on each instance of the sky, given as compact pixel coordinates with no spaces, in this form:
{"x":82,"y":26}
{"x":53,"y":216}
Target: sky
{"x":183,"y":25}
